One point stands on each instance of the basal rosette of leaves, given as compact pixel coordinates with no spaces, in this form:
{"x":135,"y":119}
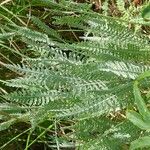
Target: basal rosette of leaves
{"x":89,"y":83}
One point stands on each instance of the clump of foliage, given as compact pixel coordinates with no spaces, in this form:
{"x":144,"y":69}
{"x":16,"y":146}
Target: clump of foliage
{"x":79,"y":91}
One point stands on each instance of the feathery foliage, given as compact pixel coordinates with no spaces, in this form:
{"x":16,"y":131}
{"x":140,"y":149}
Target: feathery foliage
{"x":89,"y":82}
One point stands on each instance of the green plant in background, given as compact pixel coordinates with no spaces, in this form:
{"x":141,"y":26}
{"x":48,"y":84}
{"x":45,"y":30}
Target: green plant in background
{"x":85,"y":86}
{"x":141,"y":119}
{"x":146,"y":13}
{"x":129,"y":11}
{"x":133,"y":13}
